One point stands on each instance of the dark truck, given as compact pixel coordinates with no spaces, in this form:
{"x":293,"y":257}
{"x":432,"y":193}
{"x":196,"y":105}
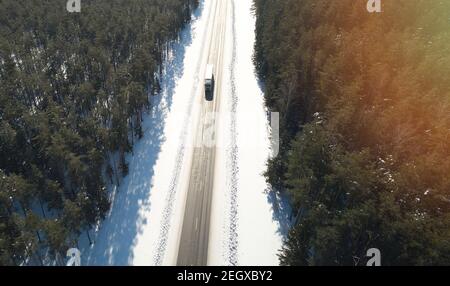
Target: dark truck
{"x":209,"y":83}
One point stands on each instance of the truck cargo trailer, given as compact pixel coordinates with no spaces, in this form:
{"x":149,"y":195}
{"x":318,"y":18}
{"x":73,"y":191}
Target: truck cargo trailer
{"x":209,"y":83}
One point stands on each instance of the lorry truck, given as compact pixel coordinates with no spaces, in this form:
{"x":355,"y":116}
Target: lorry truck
{"x":209,"y":82}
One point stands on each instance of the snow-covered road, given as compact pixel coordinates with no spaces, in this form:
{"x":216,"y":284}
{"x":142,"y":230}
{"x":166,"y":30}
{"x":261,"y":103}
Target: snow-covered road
{"x":247,"y":223}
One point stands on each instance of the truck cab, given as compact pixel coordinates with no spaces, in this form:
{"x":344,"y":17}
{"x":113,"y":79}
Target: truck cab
{"x":209,"y":83}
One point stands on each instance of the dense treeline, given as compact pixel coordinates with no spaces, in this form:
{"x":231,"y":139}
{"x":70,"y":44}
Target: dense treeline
{"x":364,"y":102}
{"x":73,"y":88}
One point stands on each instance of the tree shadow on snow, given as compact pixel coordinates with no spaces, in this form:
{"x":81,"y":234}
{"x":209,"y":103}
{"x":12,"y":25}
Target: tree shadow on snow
{"x":281,"y":211}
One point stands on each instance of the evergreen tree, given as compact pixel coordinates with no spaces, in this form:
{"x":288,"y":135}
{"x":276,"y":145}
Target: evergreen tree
{"x":364,"y":104}
{"x":73,"y":90}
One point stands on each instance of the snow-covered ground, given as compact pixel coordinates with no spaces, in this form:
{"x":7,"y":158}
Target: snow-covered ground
{"x":247,"y":222}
